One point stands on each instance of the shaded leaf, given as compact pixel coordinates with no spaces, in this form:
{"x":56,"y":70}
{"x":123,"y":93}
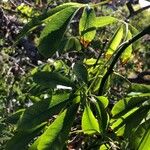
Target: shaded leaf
{"x":89,"y":122}
{"x":21,"y":139}
{"x":13,"y":119}
{"x":127,"y":124}
{"x":102,"y":115}
{"x":73,"y":44}
{"x":81,"y":72}
{"x":143,"y":88}
{"x":41,"y":111}
{"x":141,"y":138}
{"x":51,"y":79}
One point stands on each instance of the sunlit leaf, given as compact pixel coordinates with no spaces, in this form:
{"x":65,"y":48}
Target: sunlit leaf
{"x":141,"y":138}
{"x":57,"y":133}
{"x":125,"y":105}
{"x":41,"y":111}
{"x":114,"y":43}
{"x":89,"y":122}
{"x":128,"y":51}
{"x":104,"y":21}
{"x":52,"y":35}
{"x":44,"y":18}
{"x":103,"y":100}
{"x":87,"y":26}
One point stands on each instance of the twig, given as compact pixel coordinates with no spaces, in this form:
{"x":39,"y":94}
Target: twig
{"x":117,"y":56}
{"x":133,"y":12}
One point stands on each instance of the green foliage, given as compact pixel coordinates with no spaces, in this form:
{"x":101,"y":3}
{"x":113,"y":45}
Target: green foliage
{"x":51,"y":36}
{"x":89,"y":122}
{"x":114,"y":43}
{"x":48,"y":122}
{"x":87,"y":23}
{"x":51,"y":79}
{"x":56,"y":134}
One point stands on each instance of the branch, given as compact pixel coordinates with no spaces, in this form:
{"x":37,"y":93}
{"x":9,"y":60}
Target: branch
{"x":132,"y":12}
{"x":117,"y":56}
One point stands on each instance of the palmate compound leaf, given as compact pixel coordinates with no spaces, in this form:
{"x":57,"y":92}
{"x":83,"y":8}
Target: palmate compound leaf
{"x":53,"y":33}
{"x":55,"y":136}
{"x":128,"y":51}
{"x":51,"y":79}
{"x":34,"y":118}
{"x":87,"y":28}
{"x":41,"y":111}
{"x":89,"y":122}
{"x":114,"y":42}
{"x":39,"y":20}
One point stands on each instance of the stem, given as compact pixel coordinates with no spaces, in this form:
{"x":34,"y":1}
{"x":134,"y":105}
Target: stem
{"x":117,"y":56}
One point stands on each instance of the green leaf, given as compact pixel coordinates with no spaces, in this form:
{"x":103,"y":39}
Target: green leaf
{"x":128,"y":51}
{"x":143,"y":88}
{"x":104,"y":21}
{"x":125,"y":105}
{"x":128,"y":123}
{"x":103,"y":100}
{"x":21,"y":139}
{"x":133,"y":30}
{"x":41,"y":111}
{"x":114,"y":43}
{"x":57,"y":133}
{"x":81,"y":72}
{"x":51,"y":79}
{"x":52,"y":35}
{"x":102,"y":115}
{"x":73,"y":44}
{"x":89,"y":122}
{"x":13,"y":119}
{"x":44,"y":18}
{"x":141,"y":138}
{"x":87,"y":28}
